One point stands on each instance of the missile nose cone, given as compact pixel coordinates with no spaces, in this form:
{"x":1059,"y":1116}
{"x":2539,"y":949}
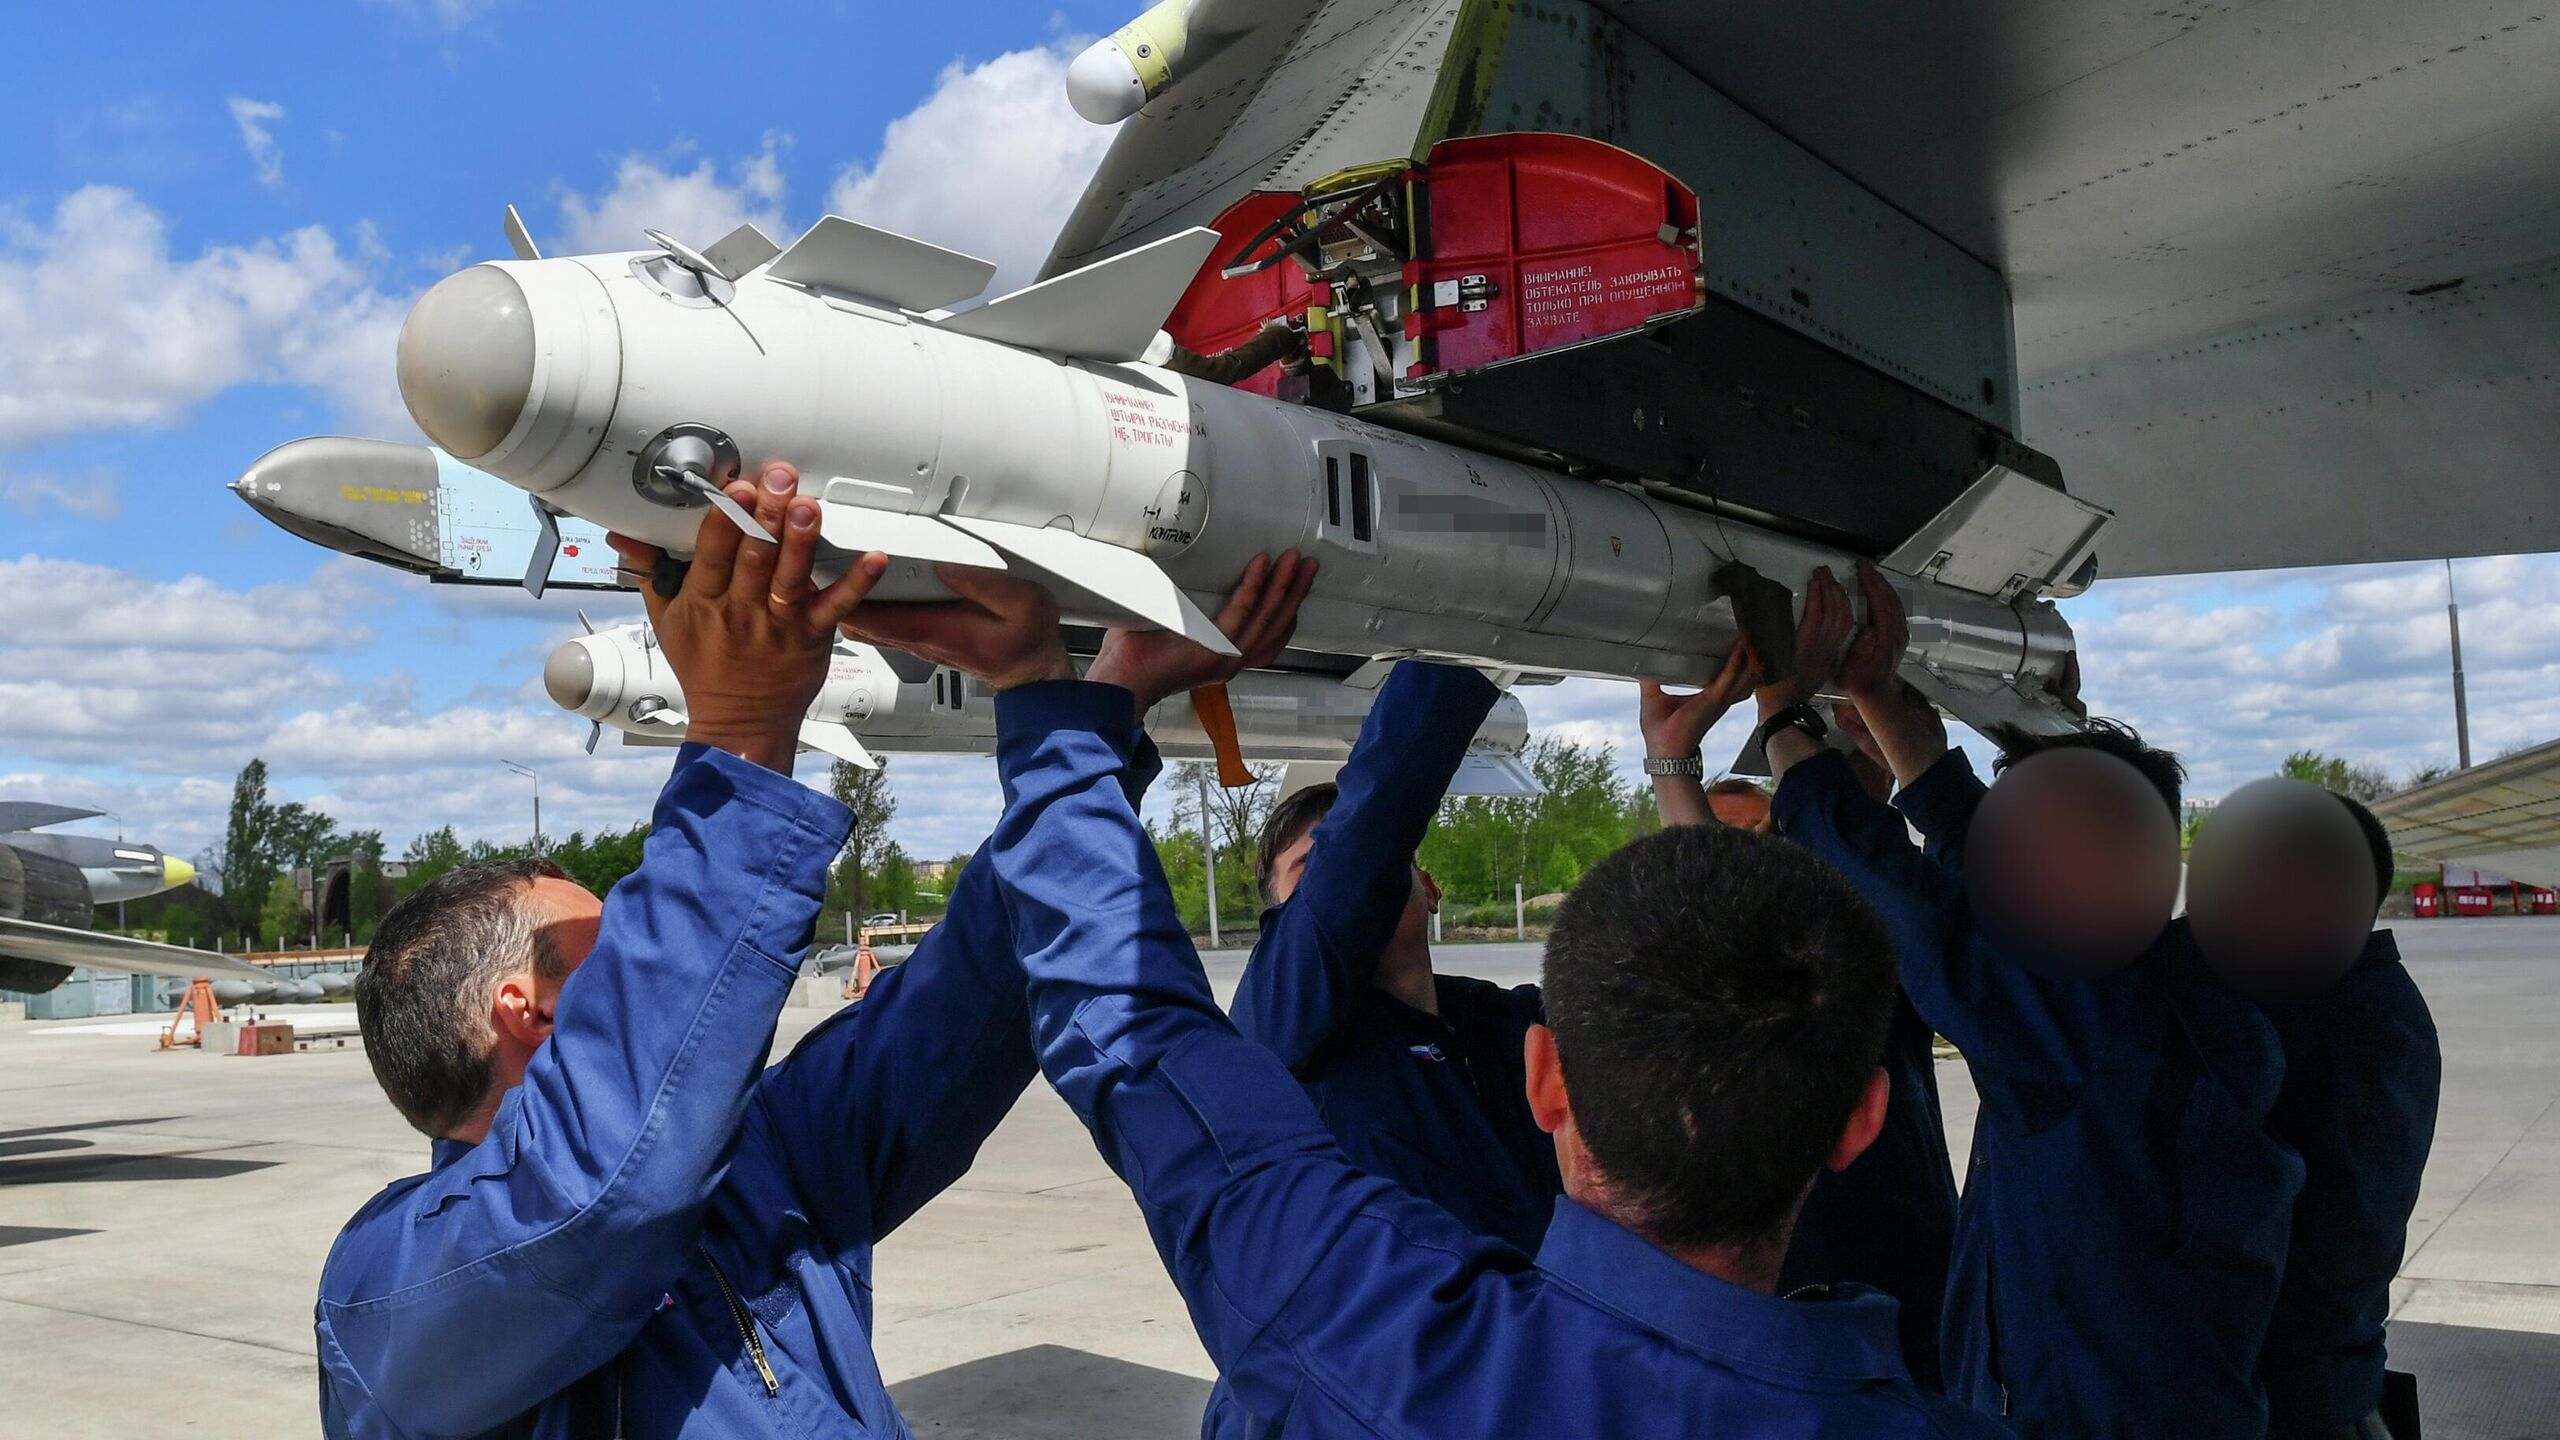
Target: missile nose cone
{"x":1103,"y":86}
{"x":466,"y":360}
{"x":570,"y":676}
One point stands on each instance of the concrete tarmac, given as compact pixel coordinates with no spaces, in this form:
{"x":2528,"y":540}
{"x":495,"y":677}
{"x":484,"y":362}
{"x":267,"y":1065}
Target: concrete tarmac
{"x":163,"y":1218}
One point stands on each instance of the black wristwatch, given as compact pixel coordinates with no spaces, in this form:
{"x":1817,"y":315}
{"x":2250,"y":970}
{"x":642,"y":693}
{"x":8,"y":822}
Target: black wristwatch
{"x":1795,"y":717}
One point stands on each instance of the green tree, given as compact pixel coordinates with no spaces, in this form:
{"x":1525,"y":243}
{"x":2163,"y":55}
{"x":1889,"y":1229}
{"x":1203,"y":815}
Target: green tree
{"x":893,"y":886}
{"x":248,"y":869}
{"x":1483,"y":845}
{"x":430,"y":855}
{"x":282,"y":922}
{"x":2331,"y":772}
{"x":866,"y":793}
{"x":601,"y":862}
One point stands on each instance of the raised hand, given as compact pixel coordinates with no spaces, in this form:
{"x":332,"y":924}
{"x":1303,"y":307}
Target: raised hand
{"x":1675,"y":726}
{"x":1001,"y":628}
{"x":1821,"y":633}
{"x":1260,"y":617}
{"x":748,"y":635}
{"x":1871,"y":667}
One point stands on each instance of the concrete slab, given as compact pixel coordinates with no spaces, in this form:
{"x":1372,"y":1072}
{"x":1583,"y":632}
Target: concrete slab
{"x":163,"y":1217}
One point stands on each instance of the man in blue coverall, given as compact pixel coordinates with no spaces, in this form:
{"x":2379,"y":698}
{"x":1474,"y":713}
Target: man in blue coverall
{"x":1417,"y":1074}
{"x":1888,"y":1220}
{"x":1719,"y":1003}
{"x":2125,"y":1217}
{"x":2362,"y":1073}
{"x":631,"y":1226}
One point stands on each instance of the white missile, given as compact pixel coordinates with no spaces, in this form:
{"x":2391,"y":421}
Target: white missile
{"x":1029,"y":434}
{"x":617,"y":679}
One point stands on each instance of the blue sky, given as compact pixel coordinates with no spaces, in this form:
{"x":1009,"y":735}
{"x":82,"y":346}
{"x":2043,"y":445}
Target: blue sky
{"x":210,"y":228}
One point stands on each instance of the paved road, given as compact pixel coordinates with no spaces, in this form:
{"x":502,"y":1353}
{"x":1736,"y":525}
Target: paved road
{"x":163,"y":1218}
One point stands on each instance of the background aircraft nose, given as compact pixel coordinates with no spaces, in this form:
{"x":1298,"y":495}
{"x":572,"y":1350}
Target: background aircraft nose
{"x":570,"y":676}
{"x":466,"y":360}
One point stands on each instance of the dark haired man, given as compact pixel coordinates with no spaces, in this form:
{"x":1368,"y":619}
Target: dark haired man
{"x":2123,"y":1226}
{"x":1719,"y":1002}
{"x":2363,"y":1069}
{"x":1887,"y":1221}
{"x":631,"y":1226}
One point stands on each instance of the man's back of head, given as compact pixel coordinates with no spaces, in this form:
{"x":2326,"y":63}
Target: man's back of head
{"x":423,"y":994}
{"x":1720,"y":1000}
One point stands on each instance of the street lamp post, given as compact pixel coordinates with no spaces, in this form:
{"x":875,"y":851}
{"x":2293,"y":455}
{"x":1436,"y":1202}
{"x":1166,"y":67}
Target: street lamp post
{"x":2461,"y":705}
{"x":529,"y":773}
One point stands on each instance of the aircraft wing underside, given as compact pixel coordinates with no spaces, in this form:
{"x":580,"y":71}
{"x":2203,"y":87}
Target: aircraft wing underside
{"x":2285,"y":275}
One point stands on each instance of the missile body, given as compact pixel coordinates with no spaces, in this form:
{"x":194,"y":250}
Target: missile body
{"x":616,"y":678}
{"x":1137,"y":493}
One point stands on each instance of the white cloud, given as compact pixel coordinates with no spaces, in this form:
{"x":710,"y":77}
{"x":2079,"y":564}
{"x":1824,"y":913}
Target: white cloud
{"x":102,"y":327}
{"x":67,"y":604}
{"x":255,"y":119}
{"x":694,"y":205}
{"x":98,"y":496}
{"x":992,"y":163}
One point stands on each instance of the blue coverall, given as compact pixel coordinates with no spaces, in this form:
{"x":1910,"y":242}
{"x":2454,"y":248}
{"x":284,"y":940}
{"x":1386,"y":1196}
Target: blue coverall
{"x":660,"y":1236}
{"x":2125,"y":1216}
{"x":2362,"y":1071}
{"x":1436,"y":1103}
{"x":1330,"y":1296}
{"x":1439,"y":1104}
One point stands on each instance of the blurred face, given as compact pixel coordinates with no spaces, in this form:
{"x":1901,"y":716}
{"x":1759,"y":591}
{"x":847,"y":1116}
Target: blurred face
{"x":2072,"y":863}
{"x":2281,"y":891}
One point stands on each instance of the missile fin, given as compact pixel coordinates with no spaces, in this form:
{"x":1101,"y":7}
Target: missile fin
{"x":1120,"y":581}
{"x":1111,"y":310}
{"x":841,"y":257}
{"x":848,"y":524}
{"x":741,"y":250}
{"x":520,"y":239}
{"x":546,"y":549}
{"x":837,"y":741}
{"x":1495,"y":775}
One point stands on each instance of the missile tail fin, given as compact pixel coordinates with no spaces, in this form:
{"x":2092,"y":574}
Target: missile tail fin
{"x":848,"y":524}
{"x":1117,"y":582}
{"x":839,"y":742}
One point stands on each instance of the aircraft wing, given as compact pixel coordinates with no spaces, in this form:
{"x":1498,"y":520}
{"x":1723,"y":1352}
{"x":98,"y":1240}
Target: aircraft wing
{"x":2286,"y":277}
{"x":35,"y":815}
{"x":54,"y":945}
{"x":2503,"y":816}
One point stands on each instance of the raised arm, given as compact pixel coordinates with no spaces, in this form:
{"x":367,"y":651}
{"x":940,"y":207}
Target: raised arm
{"x":1675,"y":726}
{"x":540,"y":1254}
{"x":1318,"y":952}
{"x":2010,"y":1022}
{"x":1220,"y":1144}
